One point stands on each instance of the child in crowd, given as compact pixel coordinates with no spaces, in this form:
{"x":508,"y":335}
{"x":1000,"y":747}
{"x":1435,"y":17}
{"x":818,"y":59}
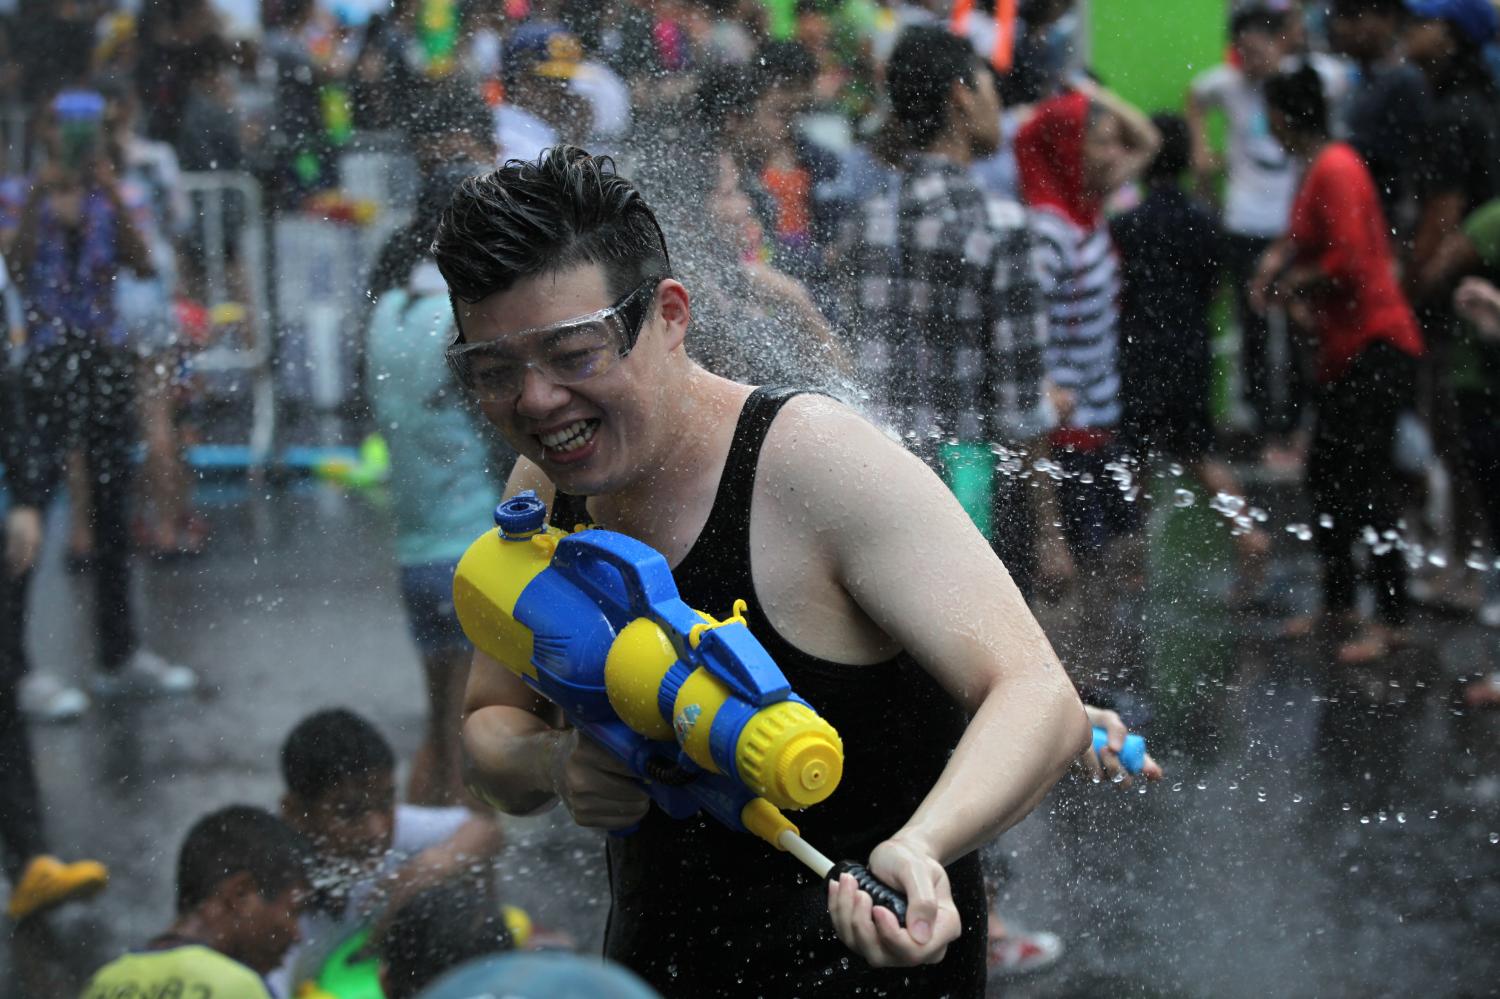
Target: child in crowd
{"x":439,"y":445}
{"x":241,"y":883}
{"x":372,"y":853}
{"x":1171,"y":254}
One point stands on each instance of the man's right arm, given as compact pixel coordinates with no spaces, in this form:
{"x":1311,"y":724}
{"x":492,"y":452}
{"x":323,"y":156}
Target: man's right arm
{"x":509,"y":745}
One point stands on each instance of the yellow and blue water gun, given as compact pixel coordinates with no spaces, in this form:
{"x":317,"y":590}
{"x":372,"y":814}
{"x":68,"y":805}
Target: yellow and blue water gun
{"x":694,"y":706}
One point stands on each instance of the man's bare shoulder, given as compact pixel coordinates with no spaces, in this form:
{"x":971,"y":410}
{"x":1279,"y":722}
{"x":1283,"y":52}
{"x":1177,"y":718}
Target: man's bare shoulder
{"x":820,"y":447}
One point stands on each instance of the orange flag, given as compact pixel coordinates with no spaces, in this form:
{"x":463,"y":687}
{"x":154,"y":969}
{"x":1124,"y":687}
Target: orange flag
{"x":1004,"y":51}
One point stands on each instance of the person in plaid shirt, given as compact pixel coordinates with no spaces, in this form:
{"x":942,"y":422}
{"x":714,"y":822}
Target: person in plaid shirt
{"x":942,"y":292}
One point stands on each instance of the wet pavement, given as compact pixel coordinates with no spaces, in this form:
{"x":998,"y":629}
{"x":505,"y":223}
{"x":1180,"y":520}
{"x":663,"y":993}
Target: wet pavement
{"x":1320,"y":832}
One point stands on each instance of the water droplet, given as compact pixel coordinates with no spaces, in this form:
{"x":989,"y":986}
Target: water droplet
{"x":1495,"y":837}
{"x":1182,"y":498}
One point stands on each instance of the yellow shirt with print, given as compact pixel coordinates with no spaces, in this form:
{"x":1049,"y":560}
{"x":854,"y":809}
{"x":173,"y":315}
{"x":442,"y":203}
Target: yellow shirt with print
{"x":190,"y":972}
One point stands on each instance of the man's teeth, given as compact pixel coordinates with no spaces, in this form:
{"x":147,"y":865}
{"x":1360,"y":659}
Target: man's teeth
{"x":575,"y":435}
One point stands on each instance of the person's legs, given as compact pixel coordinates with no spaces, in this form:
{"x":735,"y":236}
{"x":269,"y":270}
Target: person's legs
{"x":1083,"y":518}
{"x":1244,"y":253}
{"x":1014,"y":525}
{"x":1481,"y":417}
{"x":46,"y":385}
{"x":1352,"y":475}
{"x":80,"y":513}
{"x":20,"y":811}
{"x":427,"y":590}
{"x":1328,"y":473}
{"x":436,"y":777}
{"x":1386,"y":376}
{"x":163,"y":482}
{"x":39,"y":882}
{"x":109,"y":432}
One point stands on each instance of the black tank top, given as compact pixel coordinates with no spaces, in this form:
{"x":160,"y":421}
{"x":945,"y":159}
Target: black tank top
{"x":701,"y":911}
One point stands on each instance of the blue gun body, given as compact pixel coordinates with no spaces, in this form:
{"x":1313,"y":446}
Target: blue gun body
{"x":597,"y":583}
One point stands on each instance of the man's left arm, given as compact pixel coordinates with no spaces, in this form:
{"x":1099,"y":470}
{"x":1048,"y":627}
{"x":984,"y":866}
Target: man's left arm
{"x":916,"y":565}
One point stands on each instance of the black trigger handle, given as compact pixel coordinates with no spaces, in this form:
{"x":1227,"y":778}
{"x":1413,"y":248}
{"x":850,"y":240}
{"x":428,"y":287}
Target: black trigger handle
{"x":882,"y":893}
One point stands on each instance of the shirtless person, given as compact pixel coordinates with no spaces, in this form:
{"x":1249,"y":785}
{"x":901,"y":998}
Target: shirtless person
{"x":866,"y":582}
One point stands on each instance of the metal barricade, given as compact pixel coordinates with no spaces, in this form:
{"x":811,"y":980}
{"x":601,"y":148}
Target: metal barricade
{"x":379,"y":167}
{"x":322,"y":270}
{"x":229,"y":249}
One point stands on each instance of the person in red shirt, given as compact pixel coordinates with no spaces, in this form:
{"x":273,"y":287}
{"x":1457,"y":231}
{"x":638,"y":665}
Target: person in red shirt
{"x":1337,"y":273}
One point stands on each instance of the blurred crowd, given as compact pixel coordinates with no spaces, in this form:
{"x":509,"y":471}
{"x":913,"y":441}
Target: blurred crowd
{"x":933,"y":208}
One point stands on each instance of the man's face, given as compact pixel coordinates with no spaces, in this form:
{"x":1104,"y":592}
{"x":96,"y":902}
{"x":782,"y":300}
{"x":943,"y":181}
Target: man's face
{"x":269,"y":927}
{"x":594,"y":436}
{"x":353,"y":821}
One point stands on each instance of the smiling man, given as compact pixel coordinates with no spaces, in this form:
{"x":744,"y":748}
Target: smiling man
{"x":865,"y":580}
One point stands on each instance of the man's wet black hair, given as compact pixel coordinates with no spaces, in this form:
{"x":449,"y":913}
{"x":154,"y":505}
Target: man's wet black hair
{"x":565,"y":209}
{"x":239,"y":839}
{"x":1172,"y":158}
{"x":926,"y":63}
{"x":1298,"y":94}
{"x":1256,"y":18}
{"x":329,"y":747}
{"x":440,"y":927}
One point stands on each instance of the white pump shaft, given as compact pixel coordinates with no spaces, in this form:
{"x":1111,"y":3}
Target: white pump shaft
{"x":805,"y":852}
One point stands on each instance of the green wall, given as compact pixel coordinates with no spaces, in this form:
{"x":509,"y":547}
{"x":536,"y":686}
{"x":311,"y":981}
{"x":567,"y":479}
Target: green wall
{"x":1149,"y":50}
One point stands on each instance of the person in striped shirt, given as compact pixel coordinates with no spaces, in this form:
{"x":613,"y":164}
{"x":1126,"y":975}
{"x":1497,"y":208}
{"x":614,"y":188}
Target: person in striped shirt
{"x":1078,"y":149}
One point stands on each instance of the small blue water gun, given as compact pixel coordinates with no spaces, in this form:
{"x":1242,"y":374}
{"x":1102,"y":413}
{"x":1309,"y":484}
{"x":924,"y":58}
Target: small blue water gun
{"x":1132,"y":754}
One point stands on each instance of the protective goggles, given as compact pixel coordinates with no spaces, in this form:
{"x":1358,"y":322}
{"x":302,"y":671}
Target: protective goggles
{"x":565,"y":354}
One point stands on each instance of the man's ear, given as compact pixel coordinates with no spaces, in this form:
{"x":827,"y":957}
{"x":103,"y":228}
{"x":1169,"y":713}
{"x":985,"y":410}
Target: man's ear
{"x":676,"y":313}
